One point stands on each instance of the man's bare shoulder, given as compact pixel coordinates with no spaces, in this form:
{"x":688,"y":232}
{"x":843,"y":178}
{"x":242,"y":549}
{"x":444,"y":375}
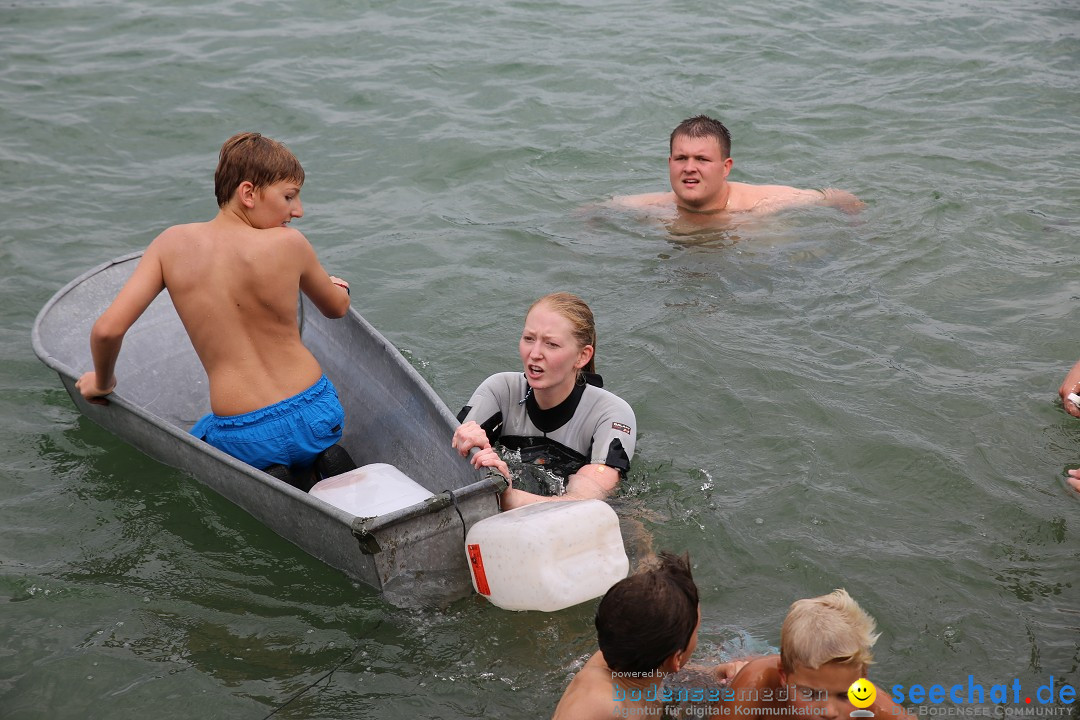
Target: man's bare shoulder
{"x":764,"y":199}
{"x":746,"y":197}
{"x":661,"y":199}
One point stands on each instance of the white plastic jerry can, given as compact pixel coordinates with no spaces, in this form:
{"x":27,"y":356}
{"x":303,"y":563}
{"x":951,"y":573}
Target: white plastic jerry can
{"x":371,"y":490}
{"x":547,"y":556}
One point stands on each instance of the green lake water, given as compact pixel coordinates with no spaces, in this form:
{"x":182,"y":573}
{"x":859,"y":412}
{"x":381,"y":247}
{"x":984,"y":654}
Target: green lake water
{"x":823,"y":400}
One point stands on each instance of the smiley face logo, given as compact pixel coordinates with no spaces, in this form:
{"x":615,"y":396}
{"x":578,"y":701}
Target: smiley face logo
{"x":862,"y":692}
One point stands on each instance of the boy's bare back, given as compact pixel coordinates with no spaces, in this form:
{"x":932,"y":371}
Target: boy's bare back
{"x":235,"y":283}
{"x":236,"y":289}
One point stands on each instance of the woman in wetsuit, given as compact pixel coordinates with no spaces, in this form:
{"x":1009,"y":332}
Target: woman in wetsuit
{"x":556,"y":411}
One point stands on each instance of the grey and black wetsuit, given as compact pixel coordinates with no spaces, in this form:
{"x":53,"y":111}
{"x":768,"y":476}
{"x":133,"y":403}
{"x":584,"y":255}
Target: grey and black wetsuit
{"x":591,"y":426}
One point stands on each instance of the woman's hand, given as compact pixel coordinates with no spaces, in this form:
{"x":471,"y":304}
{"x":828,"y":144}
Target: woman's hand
{"x":468,"y":436}
{"x":490,"y":459}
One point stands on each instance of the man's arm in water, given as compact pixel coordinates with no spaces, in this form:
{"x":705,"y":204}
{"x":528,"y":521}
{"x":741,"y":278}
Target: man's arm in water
{"x":660,"y":199}
{"x":842,"y":200}
{"x":773,"y":198}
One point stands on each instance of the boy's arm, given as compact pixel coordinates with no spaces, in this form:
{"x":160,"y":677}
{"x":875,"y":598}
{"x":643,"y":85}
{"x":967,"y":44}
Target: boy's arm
{"x":726,"y":672}
{"x":743,"y":694}
{"x":329,"y":294}
{"x":108,"y":332}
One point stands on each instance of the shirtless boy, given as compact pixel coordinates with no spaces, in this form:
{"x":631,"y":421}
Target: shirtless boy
{"x":646,"y":626}
{"x":235,"y":282}
{"x":825,"y":646}
{"x":698,"y":168}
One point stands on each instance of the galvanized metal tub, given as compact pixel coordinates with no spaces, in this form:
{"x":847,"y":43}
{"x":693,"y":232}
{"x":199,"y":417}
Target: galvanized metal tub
{"x":414,"y":555}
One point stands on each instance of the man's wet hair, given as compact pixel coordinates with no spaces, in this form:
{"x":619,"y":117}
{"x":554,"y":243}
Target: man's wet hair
{"x":703,"y":126}
{"x":645,"y":618}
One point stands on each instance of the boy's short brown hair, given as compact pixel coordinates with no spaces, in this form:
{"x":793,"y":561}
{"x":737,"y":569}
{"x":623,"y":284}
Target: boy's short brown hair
{"x":259,"y":160}
{"x":825,"y":629}
{"x":645,"y":618}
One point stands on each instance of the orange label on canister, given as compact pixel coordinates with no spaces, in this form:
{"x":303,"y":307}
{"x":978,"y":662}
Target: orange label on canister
{"x":477,"y":563}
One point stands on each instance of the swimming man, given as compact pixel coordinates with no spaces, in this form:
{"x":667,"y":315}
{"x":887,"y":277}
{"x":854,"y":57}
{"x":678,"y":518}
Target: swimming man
{"x":698,"y":166}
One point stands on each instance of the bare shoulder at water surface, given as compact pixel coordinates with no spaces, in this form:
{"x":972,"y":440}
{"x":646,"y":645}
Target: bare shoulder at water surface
{"x":743,"y":698}
{"x":744,"y":199}
{"x":590,"y":694}
{"x":647,"y":200}
{"x":768,"y":199}
{"x":662,"y":209}
{"x":653,"y":206}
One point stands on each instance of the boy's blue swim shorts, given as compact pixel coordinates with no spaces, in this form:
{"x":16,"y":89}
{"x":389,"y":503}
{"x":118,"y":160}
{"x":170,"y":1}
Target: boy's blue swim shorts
{"x":290,"y":433}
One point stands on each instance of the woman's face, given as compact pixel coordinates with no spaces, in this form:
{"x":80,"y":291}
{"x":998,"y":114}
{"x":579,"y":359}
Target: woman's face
{"x":551,"y":355}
